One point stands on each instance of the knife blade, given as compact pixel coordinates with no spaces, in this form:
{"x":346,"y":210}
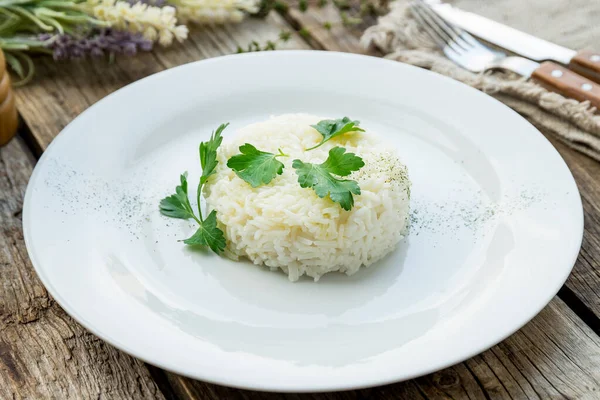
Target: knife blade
{"x":585,"y":62}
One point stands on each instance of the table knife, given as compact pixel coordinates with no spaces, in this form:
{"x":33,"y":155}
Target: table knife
{"x":584,"y":62}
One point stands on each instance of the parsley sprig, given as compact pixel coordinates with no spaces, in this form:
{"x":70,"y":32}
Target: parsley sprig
{"x":330,"y":128}
{"x":256,"y":167}
{"x":259,"y":167}
{"x":320,"y":177}
{"x":178,"y":205}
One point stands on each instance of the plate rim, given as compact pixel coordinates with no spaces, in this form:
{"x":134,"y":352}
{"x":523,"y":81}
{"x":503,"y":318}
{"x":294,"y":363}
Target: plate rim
{"x":288,"y":387}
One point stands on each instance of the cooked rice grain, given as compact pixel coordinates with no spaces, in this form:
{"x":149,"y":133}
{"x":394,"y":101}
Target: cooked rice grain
{"x":282,"y":225}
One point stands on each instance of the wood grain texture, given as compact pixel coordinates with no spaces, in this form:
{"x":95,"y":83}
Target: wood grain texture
{"x":335,"y":38}
{"x":44,"y":354}
{"x":61,"y":91}
{"x":555,"y":356}
{"x":584,"y":281}
{"x":567,"y":83}
{"x":587,"y":63}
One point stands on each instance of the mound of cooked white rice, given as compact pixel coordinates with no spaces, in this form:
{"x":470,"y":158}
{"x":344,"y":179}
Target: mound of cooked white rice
{"x":282,"y":225}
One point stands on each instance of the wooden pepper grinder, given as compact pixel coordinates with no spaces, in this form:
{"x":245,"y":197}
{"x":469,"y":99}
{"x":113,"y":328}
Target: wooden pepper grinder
{"x":8,"y":110}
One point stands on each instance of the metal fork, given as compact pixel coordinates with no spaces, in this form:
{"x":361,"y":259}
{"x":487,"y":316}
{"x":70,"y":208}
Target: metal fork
{"x":474,"y":56}
{"x":464,"y":49}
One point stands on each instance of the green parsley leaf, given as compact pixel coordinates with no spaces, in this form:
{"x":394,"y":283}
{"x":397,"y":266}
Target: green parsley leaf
{"x":341,"y":163}
{"x":208,"y":159}
{"x":208,"y":153}
{"x":256,"y":167}
{"x":208,"y":234}
{"x":178,"y":204}
{"x":330,"y":128}
{"x":319,"y":176}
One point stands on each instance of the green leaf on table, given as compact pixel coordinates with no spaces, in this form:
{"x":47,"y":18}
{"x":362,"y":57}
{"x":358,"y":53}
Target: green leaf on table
{"x":208,"y":234}
{"x":320,"y":177}
{"x":178,"y":205}
{"x":330,"y":128}
{"x":256,"y":167}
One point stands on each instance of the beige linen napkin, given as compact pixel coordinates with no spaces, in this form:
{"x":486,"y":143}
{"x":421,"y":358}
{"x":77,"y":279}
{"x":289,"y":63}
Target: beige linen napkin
{"x":399,"y":36}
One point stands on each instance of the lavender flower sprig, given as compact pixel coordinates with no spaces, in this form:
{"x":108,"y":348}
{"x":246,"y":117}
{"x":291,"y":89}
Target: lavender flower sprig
{"x":101,"y":43}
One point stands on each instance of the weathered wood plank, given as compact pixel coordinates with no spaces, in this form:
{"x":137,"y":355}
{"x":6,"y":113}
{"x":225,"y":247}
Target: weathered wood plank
{"x":326,"y":29}
{"x":334,"y":38}
{"x":44,"y":354}
{"x":584,"y":281}
{"x":550,"y":357}
{"x":61,"y":91}
{"x":554,"y":356}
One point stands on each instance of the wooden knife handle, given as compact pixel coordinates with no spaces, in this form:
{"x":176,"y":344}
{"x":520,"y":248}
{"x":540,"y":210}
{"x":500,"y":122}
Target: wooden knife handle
{"x":587,"y":63}
{"x":559,"y":79}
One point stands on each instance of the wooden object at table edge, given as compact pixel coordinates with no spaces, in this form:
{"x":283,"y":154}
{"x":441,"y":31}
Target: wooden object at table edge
{"x":512,"y":360}
{"x":8,"y":111}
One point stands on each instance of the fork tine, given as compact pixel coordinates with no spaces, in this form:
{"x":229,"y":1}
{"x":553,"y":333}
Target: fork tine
{"x":441,"y":38}
{"x":461,"y":33}
{"x":454,"y":33}
{"x":442,"y":22}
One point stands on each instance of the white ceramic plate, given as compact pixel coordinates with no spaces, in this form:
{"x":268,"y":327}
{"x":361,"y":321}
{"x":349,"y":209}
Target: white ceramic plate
{"x":496,"y":226}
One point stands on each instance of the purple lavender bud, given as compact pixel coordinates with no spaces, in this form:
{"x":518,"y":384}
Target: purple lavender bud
{"x":98,"y":43}
{"x":96,"y":52}
{"x":85,"y":45}
{"x":59,"y":54}
{"x":77,"y":52}
{"x":145,"y":45}
{"x":102,"y":41}
{"x":157,"y":3}
{"x":63,"y":40}
{"x":119,"y":35}
{"x":129,"y":49}
{"x":113,"y":48}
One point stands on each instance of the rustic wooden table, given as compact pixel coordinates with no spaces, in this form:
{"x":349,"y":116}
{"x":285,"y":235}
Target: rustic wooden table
{"x":45,"y":354}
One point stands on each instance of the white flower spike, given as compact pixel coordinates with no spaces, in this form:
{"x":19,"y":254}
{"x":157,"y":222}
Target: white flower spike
{"x":214,"y":11}
{"x":154,"y":23}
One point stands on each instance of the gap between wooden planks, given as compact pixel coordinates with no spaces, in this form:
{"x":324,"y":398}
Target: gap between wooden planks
{"x":549,"y":357}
